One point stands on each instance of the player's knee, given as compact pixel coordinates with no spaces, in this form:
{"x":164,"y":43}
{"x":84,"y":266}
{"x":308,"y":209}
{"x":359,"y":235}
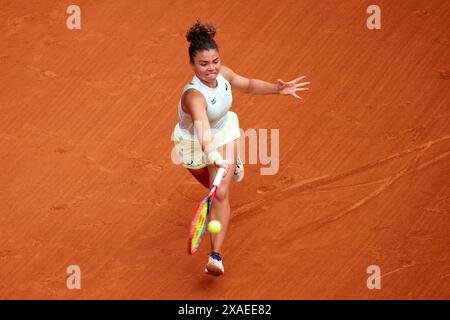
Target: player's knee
{"x":222,"y":193}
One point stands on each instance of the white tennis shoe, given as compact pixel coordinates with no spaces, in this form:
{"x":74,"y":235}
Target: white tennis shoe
{"x":239,"y":171}
{"x":214,"y":266}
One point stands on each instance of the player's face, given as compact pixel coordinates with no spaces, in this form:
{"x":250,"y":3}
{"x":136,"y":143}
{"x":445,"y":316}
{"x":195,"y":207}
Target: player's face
{"x":206,"y":65}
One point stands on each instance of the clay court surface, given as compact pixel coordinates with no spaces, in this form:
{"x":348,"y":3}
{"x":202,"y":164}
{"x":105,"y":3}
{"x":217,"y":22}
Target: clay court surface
{"x":86,"y":176}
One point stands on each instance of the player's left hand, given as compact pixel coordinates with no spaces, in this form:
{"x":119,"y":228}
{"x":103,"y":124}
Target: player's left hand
{"x":291,"y":87}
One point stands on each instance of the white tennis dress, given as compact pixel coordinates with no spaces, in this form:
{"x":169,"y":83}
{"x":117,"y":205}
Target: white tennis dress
{"x":224,"y":123}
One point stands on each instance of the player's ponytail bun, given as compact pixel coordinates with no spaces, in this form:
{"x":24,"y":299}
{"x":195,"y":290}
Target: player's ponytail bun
{"x":200,"y":31}
{"x":201,"y":37}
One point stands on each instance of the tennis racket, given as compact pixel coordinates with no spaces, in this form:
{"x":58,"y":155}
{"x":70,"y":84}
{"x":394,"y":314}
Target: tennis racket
{"x":198,"y":225}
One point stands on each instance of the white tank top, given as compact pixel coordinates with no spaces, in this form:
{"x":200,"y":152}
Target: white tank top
{"x":218,"y":99}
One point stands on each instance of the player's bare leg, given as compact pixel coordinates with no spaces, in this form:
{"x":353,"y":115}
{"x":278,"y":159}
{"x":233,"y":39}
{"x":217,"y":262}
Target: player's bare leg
{"x":220,"y":209}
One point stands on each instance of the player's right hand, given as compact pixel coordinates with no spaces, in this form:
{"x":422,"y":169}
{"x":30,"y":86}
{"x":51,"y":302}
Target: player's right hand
{"x":220,"y":163}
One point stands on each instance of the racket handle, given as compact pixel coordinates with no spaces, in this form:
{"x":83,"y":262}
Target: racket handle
{"x":218,"y":177}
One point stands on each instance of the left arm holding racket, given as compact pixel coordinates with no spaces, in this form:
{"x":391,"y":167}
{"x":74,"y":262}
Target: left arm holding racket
{"x":196,"y":105}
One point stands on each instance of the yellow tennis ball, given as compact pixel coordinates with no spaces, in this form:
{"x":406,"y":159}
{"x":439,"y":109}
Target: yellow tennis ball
{"x":214,"y":226}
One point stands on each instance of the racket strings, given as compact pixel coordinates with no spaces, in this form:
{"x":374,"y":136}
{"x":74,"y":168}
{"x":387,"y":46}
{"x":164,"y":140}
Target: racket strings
{"x":200,"y":225}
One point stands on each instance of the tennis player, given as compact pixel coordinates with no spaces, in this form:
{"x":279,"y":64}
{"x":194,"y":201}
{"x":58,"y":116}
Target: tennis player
{"x":207,"y":133}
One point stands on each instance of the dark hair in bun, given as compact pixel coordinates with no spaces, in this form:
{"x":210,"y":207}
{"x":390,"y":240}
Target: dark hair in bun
{"x":201,"y":37}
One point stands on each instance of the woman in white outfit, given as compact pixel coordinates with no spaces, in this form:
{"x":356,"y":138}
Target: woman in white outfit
{"x":207,"y":134}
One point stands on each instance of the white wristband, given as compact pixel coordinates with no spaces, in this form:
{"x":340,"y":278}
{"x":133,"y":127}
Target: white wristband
{"x":213,"y":156}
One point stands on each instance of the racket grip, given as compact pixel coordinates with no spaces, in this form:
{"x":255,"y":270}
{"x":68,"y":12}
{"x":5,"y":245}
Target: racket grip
{"x":218,"y":177}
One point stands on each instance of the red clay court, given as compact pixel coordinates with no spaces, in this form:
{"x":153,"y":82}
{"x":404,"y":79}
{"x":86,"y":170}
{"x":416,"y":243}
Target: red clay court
{"x":86,"y":179}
